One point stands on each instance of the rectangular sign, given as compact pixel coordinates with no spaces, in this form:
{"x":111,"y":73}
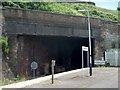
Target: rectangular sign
{"x":84,"y":48}
{"x":99,"y":62}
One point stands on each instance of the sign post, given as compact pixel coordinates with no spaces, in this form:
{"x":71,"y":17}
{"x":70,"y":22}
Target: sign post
{"x":34,"y":66}
{"x":84,"y":48}
{"x":53,"y":65}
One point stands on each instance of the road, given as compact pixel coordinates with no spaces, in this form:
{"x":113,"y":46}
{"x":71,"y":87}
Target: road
{"x":102,"y":78}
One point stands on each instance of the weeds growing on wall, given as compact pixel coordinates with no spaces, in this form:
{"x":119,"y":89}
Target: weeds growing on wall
{"x":4,"y":45}
{"x":4,"y":81}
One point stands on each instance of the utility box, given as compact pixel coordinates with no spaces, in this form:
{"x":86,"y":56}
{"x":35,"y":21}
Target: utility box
{"x":113,"y":57}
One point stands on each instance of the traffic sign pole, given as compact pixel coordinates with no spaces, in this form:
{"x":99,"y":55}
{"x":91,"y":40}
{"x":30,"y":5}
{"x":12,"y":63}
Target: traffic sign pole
{"x":33,"y":73}
{"x":53,"y":65}
{"x":34,"y":66}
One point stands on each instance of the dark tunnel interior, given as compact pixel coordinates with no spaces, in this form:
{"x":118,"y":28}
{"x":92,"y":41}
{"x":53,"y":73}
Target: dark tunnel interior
{"x":66,"y":51}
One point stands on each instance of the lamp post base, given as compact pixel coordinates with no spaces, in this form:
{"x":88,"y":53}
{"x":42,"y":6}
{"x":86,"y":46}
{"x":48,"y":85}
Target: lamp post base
{"x":90,"y":69}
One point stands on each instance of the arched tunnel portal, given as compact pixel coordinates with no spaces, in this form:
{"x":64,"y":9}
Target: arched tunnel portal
{"x":66,"y":51}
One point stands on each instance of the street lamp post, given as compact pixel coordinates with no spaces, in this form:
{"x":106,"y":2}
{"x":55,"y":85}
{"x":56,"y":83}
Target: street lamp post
{"x":89,"y":29}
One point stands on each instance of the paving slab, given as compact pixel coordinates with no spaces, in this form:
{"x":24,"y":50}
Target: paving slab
{"x":102,"y":78}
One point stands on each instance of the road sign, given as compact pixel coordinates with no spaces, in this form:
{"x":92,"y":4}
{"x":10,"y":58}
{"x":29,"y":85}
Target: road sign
{"x":84,"y":48}
{"x":34,"y":65}
{"x":99,"y":62}
{"x":53,"y":62}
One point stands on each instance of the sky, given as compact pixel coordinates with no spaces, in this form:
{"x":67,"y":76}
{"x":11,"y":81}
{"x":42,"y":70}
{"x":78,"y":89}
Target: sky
{"x":108,"y":4}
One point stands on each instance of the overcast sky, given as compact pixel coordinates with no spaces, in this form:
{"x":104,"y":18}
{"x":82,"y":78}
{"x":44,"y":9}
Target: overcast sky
{"x":109,"y":4}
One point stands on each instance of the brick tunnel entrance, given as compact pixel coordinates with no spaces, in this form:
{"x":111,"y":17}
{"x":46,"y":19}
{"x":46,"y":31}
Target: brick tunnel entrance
{"x":67,"y":51}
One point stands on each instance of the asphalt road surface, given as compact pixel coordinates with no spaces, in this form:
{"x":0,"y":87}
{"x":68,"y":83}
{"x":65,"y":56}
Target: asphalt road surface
{"x":101,"y":78}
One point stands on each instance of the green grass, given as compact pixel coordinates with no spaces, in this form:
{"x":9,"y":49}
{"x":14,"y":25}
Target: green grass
{"x":69,"y":9}
{"x":4,"y":81}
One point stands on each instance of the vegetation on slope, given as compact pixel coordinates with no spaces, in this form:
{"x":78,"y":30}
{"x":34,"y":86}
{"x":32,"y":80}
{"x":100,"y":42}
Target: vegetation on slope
{"x":67,"y":8}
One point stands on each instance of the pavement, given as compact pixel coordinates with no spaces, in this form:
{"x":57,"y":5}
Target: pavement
{"x":103,"y":77}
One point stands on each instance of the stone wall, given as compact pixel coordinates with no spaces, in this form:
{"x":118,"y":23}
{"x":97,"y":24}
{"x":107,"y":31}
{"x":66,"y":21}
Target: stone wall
{"x":1,"y":23}
{"x":109,"y":36}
